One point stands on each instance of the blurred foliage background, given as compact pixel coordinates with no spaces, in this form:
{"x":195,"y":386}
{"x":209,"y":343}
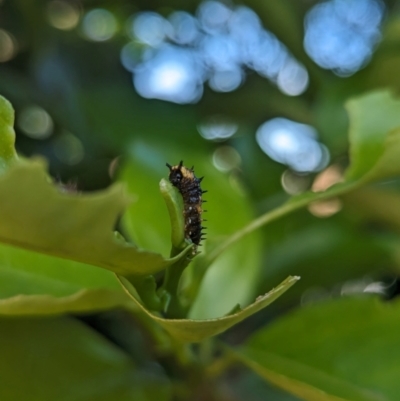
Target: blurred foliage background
{"x":252,"y":94}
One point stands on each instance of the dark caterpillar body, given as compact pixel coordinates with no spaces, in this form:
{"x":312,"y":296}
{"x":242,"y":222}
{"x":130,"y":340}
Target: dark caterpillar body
{"x":188,"y":185}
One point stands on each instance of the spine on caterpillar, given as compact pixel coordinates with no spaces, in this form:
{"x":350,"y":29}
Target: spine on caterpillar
{"x":188,"y":184}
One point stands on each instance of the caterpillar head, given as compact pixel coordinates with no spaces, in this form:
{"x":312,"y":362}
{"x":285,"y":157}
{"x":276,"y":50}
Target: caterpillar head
{"x":177,"y":173}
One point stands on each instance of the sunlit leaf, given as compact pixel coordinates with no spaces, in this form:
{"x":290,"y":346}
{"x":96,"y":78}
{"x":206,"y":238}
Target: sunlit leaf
{"x":344,"y":349}
{"x":36,"y":215}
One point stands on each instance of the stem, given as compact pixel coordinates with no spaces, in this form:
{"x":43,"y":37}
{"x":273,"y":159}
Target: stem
{"x":219,"y":366}
{"x":292,"y":205}
{"x":289,"y":207}
{"x":169,"y":288}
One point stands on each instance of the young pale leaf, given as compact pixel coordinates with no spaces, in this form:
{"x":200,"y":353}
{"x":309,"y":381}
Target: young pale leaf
{"x":188,"y":330}
{"x":174,"y":202}
{"x":36,"y":215}
{"x":331,"y":351}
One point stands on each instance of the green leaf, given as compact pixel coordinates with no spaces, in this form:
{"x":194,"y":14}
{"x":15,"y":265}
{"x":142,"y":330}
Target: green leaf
{"x":7,"y":134}
{"x":226,"y":281}
{"x":345,"y":349}
{"x":173,"y":200}
{"x":188,"y":330}
{"x":373,"y":145}
{"x":374,"y":150}
{"x":35,"y":273}
{"x":61,"y":358}
{"x":36,"y":215}
{"x":376,"y":204}
{"x":251,"y":387}
{"x":38,"y":284}
{"x":293,"y":204}
{"x":84,"y":301}
{"x":388,"y":164}
{"x":348,"y":252}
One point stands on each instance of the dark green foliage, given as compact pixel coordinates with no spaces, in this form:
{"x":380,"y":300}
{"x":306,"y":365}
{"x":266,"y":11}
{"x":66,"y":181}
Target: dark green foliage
{"x":102,"y":295}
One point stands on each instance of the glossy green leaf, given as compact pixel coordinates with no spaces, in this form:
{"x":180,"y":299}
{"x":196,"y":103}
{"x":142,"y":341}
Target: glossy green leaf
{"x":7,"y":134}
{"x":346,"y":349}
{"x":62,"y":359}
{"x":36,"y":215}
{"x":189,"y":330}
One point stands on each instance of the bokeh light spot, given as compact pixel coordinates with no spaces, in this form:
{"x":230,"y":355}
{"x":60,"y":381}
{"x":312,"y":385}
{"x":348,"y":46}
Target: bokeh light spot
{"x":131,"y":55}
{"x":341,"y":34}
{"x":35,"y":122}
{"x":213,"y":16}
{"x":226,"y":158}
{"x":226,"y":80}
{"x":326,"y":208}
{"x":99,"y":25}
{"x":185,"y":29}
{"x":8,"y":46}
{"x":293,"y":144}
{"x":220,"y":52}
{"x":68,"y":149}
{"x":150,"y":28}
{"x":325,"y":179}
{"x":181,"y":52}
{"x":63,"y":14}
{"x":217,"y":128}
{"x":357,"y":286}
{"x":292,"y":78}
{"x":172,"y":74}
{"x":293,"y":183}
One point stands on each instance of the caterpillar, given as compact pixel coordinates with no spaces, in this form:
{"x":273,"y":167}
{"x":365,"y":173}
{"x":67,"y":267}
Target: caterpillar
{"x":188,"y":185}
